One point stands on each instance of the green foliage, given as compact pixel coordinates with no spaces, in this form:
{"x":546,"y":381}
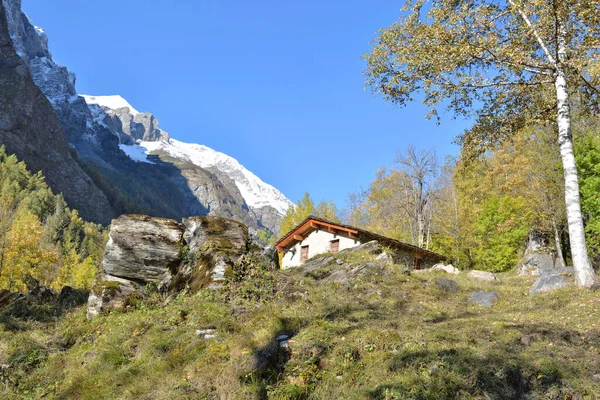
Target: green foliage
{"x":500,"y":231}
{"x":487,"y":206}
{"x":303,"y":209}
{"x":327,"y":210}
{"x":296,"y":214}
{"x":587,"y":153}
{"x":265,"y":235}
{"x":40,"y":237}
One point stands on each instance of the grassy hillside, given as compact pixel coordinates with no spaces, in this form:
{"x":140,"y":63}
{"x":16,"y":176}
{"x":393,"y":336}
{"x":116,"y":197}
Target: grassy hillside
{"x":384,"y":336}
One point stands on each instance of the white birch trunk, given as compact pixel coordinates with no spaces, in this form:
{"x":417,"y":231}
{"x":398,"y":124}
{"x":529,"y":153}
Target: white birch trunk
{"x":584,"y":274}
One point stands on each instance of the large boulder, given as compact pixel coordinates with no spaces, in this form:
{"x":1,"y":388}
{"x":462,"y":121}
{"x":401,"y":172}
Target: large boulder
{"x":198,"y":253}
{"x":143,"y":248}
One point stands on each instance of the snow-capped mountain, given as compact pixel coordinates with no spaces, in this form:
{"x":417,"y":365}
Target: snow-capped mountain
{"x":111,"y":137}
{"x":256,"y":193}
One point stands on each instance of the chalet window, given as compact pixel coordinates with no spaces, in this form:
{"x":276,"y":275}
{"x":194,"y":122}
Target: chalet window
{"x":334,"y":246}
{"x":417,"y":263}
{"x":303,"y":253}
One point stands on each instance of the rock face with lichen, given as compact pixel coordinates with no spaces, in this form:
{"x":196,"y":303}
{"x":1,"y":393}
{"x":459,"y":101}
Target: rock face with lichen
{"x":197,"y":253}
{"x":142,"y":248}
{"x":214,"y":246}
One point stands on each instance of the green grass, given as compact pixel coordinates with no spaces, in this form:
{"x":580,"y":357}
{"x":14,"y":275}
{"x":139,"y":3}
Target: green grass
{"x":389,"y":336}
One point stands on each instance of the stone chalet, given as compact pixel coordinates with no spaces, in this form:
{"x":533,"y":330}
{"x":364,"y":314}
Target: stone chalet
{"x":317,"y":236}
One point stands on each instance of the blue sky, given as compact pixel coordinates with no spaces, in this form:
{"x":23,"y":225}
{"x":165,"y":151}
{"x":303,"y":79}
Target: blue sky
{"x":277,"y":85}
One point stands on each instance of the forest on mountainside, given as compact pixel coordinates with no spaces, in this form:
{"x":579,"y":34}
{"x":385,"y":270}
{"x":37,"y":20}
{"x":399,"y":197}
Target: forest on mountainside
{"x":42,"y":241}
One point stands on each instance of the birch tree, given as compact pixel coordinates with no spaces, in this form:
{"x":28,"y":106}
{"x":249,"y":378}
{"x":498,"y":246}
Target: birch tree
{"x":506,"y":63}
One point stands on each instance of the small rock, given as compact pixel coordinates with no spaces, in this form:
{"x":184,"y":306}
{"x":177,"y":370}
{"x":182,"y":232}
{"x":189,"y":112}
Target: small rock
{"x":448,"y":268}
{"x":339,"y":262}
{"x":596,"y":377}
{"x":482,"y":275}
{"x":282,"y":337}
{"x":284,"y":344}
{"x":595,"y":287}
{"x":384,"y":258}
{"x":447,"y":284}
{"x":547,"y":283}
{"x":483,"y":298}
{"x":207,"y":333}
{"x":415,"y":309}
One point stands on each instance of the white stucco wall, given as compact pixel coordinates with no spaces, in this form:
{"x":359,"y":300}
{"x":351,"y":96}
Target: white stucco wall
{"x":318,"y":242}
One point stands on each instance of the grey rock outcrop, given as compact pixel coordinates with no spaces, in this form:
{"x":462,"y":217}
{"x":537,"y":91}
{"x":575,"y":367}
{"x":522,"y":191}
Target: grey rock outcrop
{"x":548,"y":282}
{"x":55,"y":81}
{"x":483,"y":298}
{"x":30,"y":129}
{"x":447,"y":285}
{"x":384,"y":258}
{"x":354,"y":272}
{"x":142,"y":248}
{"x":129,"y":126}
{"x":482,"y":275}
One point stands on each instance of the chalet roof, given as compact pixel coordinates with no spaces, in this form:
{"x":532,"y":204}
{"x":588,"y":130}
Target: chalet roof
{"x":312,"y":222}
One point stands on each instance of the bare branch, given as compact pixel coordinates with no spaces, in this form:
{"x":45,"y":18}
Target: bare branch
{"x":496,"y":84}
{"x":535,"y":33}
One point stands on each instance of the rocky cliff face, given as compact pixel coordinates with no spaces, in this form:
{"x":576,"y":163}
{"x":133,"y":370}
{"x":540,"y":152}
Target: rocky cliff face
{"x":123,"y":120}
{"x":55,"y":81}
{"x":197,"y":253}
{"x":30,"y":128}
{"x":106,"y":132}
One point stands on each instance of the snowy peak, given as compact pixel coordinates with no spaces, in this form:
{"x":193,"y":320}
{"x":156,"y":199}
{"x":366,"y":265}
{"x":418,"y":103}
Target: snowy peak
{"x":113,"y":102}
{"x":256,"y":193}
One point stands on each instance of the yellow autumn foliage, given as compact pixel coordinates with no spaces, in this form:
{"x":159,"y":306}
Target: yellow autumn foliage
{"x":22,"y":255}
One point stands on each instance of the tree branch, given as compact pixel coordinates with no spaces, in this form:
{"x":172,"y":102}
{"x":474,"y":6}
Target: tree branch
{"x":507,"y":83}
{"x":589,"y":84}
{"x":535,"y":34}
